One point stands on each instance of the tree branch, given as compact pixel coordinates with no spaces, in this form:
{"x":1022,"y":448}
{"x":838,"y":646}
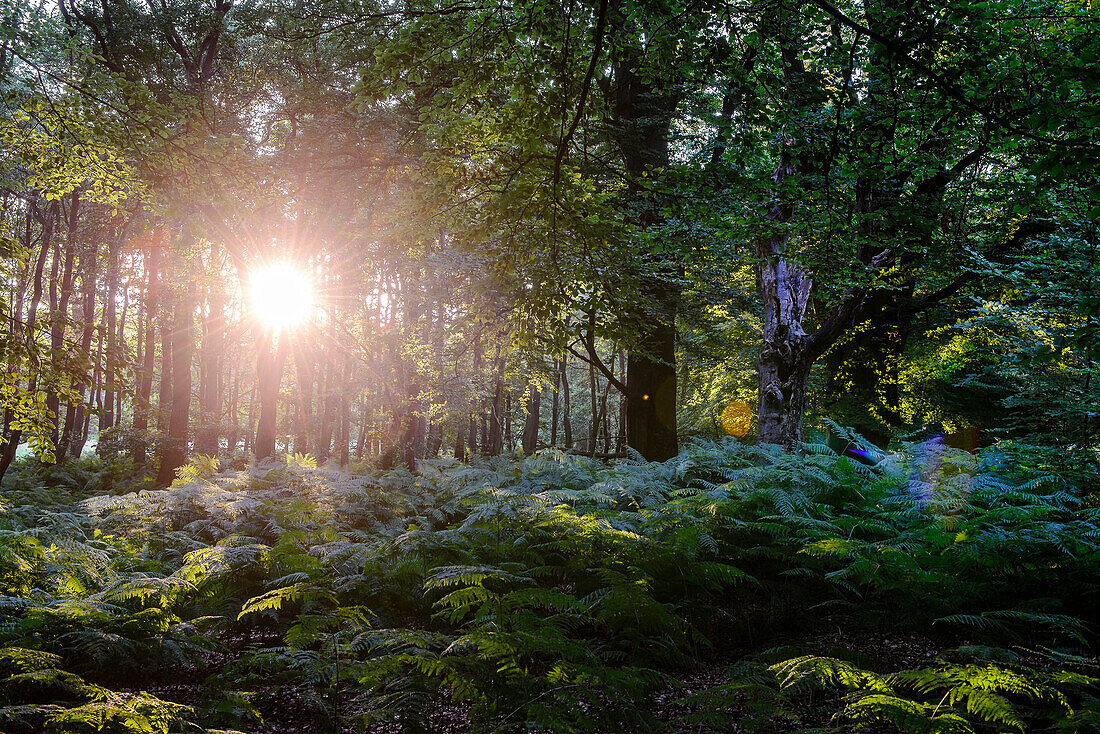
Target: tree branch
{"x":941,"y":81}
{"x":563,"y":144}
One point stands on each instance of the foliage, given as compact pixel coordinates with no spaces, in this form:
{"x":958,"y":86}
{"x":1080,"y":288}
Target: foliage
{"x":554,"y":592}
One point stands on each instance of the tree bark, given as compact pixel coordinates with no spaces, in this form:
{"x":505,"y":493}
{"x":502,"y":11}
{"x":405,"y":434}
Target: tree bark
{"x":642,"y":110}
{"x":566,"y":417}
{"x":208,"y":435}
{"x":107,"y":417}
{"x":14,"y":436}
{"x":554,"y":408}
{"x":142,"y":405}
{"x":174,"y":453}
{"x":531,"y":423}
{"x":268,"y":378}
{"x":651,"y":398}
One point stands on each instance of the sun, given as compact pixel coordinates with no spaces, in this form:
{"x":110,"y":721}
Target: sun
{"x":281,"y":295}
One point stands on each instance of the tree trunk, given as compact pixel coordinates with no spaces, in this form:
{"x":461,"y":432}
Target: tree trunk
{"x":142,"y":400}
{"x":651,"y":398}
{"x":567,"y":408}
{"x":343,"y":439}
{"x":496,"y":433}
{"x":207,"y":437}
{"x":268,"y":378}
{"x":174,"y":454}
{"x":620,"y":438}
{"x":435,"y":439}
{"x":107,"y":417}
{"x":554,"y":408}
{"x":460,"y":445}
{"x":531,"y":423}
{"x":784,"y":365}
{"x":14,"y":436}
{"x":304,"y":430}
{"x":57,"y":333}
{"x":74,"y":419}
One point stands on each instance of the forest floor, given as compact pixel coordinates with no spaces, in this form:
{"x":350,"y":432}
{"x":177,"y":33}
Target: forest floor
{"x":727,"y":590}
{"x":287,"y":709}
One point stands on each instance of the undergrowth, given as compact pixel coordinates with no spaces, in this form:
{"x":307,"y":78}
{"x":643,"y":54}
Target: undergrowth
{"x":552,"y":593}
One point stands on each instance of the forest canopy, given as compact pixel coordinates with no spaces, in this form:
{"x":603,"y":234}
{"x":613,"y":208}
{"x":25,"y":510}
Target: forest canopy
{"x":644,"y":211}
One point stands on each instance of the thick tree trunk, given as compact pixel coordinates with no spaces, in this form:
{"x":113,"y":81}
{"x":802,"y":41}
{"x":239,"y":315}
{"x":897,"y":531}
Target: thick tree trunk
{"x":642,"y":110}
{"x":651,"y":398}
{"x":460,"y":445}
{"x":784,"y":364}
{"x":531,"y":423}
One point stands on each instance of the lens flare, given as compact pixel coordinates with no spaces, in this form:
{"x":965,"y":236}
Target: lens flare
{"x":736,"y":418}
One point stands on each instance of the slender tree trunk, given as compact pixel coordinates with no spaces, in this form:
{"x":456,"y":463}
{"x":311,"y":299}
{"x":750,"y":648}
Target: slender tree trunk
{"x":496,"y":428}
{"x":248,"y":435}
{"x":364,"y":423}
{"x":142,"y":400}
{"x":234,"y":430}
{"x":567,"y":408}
{"x":125,"y":364}
{"x":107,"y":417}
{"x":508,"y":443}
{"x":344,"y":432}
{"x":328,"y":401}
{"x":620,"y":439}
{"x":13,"y":436}
{"x":268,"y":378}
{"x":554,"y":406}
{"x":65,"y":447}
{"x":304,"y":429}
{"x":74,"y":418}
{"x":475,"y":414}
{"x":164,"y":387}
{"x":59,"y":313}
{"x":208,"y":435}
{"x":175,"y":450}
{"x":435,"y":439}
{"x":594,"y":411}
{"x":56,"y":321}
{"x":95,"y":398}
